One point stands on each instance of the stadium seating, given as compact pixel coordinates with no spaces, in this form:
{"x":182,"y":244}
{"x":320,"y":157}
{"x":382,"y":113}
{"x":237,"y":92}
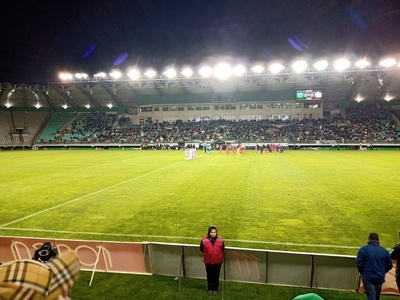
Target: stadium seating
{"x":373,"y":123}
{"x":55,"y":124}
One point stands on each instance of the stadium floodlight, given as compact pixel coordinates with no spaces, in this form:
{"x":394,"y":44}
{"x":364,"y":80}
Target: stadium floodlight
{"x":133,"y":74}
{"x":187,"y":72}
{"x":205,"y":71}
{"x":276,"y":68}
{"x":341,"y":64}
{"x":100,"y":75}
{"x":150,"y":73}
{"x":222,"y":71}
{"x":65,"y":106}
{"x":299,"y":66}
{"x":362,"y":63}
{"x":81,"y":76}
{"x":388,"y":62}
{"x":388,"y":97}
{"x":239,"y":70}
{"x":170,"y":73}
{"x":87,"y":106}
{"x":37,"y":105}
{"x":258,"y":69}
{"x":65,"y":76}
{"x":115,"y":74}
{"x":321,"y":65}
{"x":109,"y":105}
{"x":359,"y":98}
{"x":8,"y":104}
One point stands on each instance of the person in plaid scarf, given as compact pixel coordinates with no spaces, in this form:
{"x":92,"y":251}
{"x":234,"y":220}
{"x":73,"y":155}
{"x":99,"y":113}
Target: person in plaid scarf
{"x":35,"y":280}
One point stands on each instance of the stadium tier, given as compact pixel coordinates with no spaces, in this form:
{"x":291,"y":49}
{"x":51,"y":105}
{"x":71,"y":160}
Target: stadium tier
{"x":366,"y":124}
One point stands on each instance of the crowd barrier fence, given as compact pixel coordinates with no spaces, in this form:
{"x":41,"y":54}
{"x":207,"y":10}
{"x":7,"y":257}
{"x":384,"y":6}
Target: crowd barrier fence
{"x":300,"y":269}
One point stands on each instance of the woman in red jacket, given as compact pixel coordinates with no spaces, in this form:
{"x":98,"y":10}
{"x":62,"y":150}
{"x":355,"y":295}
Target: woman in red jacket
{"x":212,"y":246}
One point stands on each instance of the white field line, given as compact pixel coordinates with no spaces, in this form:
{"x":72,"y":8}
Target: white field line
{"x":3,"y":227}
{"x":179,"y":237}
{"x":88,"y":195}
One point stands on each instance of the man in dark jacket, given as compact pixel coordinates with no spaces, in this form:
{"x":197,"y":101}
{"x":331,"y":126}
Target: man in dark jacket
{"x":373,"y":262}
{"x":395,"y":255}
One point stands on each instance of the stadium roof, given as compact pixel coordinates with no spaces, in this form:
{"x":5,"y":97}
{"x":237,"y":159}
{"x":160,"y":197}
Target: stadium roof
{"x":371,"y":84}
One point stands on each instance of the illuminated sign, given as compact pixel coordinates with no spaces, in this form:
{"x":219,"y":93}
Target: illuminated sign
{"x":308,"y":95}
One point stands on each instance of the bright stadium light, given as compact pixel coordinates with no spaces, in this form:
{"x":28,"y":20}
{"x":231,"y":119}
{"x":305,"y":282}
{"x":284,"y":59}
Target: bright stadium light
{"x":116,"y":74}
{"x":87,"y":106}
{"x":275,"y":68}
{"x":362,"y":63}
{"x":81,"y":76}
{"x":65,"y":76}
{"x":223,"y":71}
{"x":205,"y":71}
{"x":133,"y":74}
{"x":239,"y":70}
{"x":187,"y":72}
{"x":388,"y":62}
{"x":37,"y":105}
{"x":321,"y":65}
{"x":150,"y":73}
{"x":8,"y":104}
{"x":65,"y":106}
{"x":359,"y":98}
{"x":170,"y":73}
{"x":100,"y":75}
{"x":299,"y":66}
{"x":109,"y":105}
{"x":388,"y":97}
{"x":341,"y":64}
{"x":258,"y":69}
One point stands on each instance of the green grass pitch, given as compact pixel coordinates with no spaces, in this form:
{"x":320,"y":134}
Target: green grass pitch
{"x":310,"y":201}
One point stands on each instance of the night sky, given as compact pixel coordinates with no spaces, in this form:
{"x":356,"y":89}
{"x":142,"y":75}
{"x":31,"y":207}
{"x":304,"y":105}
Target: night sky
{"x":40,"y":38}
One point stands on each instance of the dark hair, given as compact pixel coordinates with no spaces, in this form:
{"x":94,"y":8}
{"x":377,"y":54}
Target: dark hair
{"x":211,"y":227}
{"x":373,"y":236}
{"x":45,"y":253}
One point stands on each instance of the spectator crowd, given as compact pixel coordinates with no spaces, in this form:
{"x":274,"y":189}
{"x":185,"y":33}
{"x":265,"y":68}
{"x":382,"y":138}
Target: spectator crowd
{"x":370,"y":123}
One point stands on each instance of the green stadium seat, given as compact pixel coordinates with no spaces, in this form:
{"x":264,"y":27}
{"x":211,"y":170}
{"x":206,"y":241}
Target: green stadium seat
{"x":309,"y":296}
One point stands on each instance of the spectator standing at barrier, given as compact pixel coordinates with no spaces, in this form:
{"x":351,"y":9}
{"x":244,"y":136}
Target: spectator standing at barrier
{"x":395,"y":255}
{"x":212,"y":246}
{"x":373,"y":262}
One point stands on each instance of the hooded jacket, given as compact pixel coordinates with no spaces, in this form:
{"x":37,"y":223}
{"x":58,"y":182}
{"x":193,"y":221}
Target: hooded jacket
{"x":212,"y":248}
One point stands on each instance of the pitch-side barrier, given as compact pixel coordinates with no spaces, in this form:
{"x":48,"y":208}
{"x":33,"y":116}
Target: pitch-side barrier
{"x":309,"y":270}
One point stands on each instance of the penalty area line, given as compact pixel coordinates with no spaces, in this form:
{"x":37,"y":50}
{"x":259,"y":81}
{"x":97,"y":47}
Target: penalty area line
{"x":179,"y":237}
{"x":87,"y":195}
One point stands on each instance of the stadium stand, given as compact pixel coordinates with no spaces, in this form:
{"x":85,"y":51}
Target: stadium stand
{"x":54,"y":126}
{"x":5,"y":129}
{"x":373,"y":123}
{"x":20,"y":127}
